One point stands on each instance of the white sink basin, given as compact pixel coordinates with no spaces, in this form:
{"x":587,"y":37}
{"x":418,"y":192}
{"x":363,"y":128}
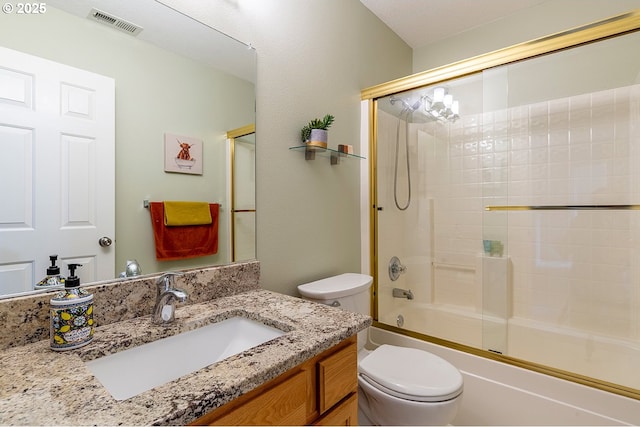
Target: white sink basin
{"x":131,"y":372}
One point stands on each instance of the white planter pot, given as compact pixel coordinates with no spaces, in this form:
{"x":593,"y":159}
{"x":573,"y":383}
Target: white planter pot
{"x":318,"y":138}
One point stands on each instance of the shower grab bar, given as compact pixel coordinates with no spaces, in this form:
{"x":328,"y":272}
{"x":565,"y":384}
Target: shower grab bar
{"x":453,"y":266}
{"x":562,"y":207}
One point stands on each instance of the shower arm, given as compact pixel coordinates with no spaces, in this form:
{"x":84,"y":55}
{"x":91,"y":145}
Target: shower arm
{"x":406,"y":106}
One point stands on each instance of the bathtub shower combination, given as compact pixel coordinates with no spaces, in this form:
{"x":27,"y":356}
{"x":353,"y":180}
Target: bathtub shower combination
{"x":507,"y":211}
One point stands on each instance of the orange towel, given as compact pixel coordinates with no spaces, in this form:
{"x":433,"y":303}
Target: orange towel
{"x":181,"y":242}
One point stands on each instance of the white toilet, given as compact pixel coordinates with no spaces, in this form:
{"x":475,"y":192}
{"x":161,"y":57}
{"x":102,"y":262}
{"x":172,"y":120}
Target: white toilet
{"x":396,"y":385}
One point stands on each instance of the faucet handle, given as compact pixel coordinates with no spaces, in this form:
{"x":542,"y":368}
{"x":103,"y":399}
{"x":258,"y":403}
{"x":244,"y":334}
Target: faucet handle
{"x":396,"y":268}
{"x":166,"y":279}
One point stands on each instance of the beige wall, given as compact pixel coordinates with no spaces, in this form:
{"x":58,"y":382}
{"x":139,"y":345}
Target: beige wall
{"x":314,"y":57}
{"x":546,"y":18}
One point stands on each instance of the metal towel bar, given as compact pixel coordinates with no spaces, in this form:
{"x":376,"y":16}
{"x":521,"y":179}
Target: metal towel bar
{"x":146,"y":204}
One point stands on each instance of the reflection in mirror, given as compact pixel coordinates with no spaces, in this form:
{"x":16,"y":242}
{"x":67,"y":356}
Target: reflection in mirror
{"x":242,"y":149}
{"x":175,"y":76}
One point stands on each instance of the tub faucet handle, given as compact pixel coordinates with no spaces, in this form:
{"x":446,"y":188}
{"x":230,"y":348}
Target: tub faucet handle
{"x":396,"y":268}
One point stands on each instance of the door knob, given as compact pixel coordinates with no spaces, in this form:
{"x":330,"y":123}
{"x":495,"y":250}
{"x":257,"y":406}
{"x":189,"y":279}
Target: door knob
{"x":105,"y":241}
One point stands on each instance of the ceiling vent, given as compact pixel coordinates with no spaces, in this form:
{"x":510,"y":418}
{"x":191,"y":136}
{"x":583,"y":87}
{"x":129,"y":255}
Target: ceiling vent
{"x":114,"y":22}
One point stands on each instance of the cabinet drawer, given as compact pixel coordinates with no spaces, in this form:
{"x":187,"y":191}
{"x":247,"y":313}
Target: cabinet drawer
{"x":337,"y":377}
{"x":345,"y":414}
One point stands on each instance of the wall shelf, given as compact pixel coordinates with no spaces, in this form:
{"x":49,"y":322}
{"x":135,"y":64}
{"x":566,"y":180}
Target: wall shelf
{"x":334,"y":155}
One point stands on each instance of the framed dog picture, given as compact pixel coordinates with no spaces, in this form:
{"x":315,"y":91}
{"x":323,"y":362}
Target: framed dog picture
{"x":182,"y":154}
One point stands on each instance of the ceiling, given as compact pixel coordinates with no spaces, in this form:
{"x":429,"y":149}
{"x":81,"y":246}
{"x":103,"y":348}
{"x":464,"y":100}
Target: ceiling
{"x":417,"y":22}
{"x":173,"y":31}
{"x":421,"y":22}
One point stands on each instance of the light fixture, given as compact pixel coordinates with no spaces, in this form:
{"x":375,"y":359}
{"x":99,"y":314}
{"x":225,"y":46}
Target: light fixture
{"x":441,"y":106}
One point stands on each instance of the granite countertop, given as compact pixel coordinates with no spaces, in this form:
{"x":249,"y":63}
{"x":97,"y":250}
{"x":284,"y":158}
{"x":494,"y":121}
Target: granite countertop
{"x":41,"y":387}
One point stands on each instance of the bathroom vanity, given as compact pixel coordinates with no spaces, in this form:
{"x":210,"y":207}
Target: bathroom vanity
{"x":305,"y":376}
{"x":320,"y":391}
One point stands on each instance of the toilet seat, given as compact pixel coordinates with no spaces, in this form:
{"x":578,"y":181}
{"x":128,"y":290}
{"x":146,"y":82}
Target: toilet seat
{"x":411,"y":374}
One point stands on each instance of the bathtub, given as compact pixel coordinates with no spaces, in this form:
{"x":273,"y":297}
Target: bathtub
{"x":497,"y":393}
{"x":590,"y":355}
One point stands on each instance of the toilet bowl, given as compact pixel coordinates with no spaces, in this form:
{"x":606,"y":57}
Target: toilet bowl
{"x":396,"y":385}
{"x":407,"y":386}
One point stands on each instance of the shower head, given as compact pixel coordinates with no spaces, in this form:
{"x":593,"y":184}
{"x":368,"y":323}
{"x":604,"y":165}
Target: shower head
{"x":405,"y":104}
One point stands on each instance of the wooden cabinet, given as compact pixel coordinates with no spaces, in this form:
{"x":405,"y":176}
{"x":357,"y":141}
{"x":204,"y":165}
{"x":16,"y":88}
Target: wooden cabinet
{"x":320,"y":391}
{"x":344,"y":414}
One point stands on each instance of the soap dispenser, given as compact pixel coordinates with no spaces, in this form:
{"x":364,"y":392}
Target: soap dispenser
{"x":53,"y":279}
{"x":71,"y":315}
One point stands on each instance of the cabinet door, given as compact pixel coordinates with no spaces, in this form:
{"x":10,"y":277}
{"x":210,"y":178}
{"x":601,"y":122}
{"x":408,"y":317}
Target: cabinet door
{"x":345,"y":414}
{"x":337,"y":377}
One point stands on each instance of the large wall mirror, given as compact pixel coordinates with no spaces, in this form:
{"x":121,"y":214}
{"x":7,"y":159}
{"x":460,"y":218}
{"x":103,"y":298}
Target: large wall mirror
{"x":171,"y":75}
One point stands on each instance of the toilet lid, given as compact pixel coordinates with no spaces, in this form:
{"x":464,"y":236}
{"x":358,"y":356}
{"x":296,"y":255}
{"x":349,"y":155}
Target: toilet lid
{"x":336,"y":286}
{"x":411,"y":374}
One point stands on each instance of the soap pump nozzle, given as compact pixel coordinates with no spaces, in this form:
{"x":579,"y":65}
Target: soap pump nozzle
{"x":52,"y":280}
{"x":54,"y":270}
{"x":72,"y":281}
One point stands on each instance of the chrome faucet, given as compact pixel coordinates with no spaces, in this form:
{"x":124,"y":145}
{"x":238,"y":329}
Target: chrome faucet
{"x":165,"y":308}
{"x":402,"y":293}
{"x":132,"y":269}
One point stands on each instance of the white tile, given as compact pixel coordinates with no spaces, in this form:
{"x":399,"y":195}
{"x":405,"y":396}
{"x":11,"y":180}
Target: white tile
{"x":559,"y":137}
{"x":520,"y":142}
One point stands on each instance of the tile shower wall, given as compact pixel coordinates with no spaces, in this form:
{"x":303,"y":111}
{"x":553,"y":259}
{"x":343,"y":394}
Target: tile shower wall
{"x":573,"y":269}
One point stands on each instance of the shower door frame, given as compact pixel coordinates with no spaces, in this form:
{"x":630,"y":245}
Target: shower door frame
{"x":232,"y":135}
{"x":591,"y":33}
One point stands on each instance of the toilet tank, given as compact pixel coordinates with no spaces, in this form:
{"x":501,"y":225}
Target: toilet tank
{"x":348,"y":291}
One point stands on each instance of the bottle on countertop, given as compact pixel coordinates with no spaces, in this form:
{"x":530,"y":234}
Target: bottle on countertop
{"x":53,"y":278}
{"x":71,"y":315}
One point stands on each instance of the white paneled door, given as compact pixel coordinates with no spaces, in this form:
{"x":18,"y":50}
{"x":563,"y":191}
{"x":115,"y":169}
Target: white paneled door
{"x":57,"y":167}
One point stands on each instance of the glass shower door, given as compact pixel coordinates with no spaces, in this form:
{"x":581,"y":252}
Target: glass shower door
{"x":516,"y":226}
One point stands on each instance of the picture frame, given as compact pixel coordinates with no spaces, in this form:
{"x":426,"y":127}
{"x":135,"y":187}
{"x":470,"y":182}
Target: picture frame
{"x":182,"y":154}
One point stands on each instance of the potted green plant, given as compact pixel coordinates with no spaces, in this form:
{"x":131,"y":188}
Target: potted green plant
{"x":315,"y":134}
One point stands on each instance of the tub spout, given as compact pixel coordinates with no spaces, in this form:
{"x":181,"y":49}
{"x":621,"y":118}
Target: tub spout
{"x":402,"y":293}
